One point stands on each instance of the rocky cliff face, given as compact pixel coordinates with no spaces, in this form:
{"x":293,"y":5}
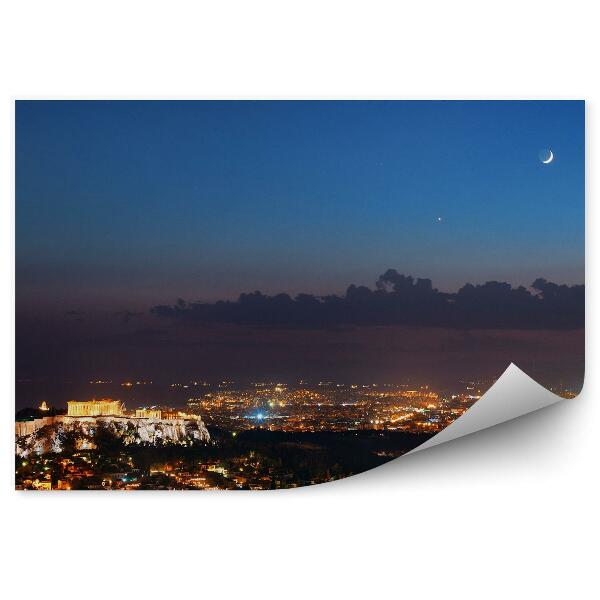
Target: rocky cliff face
{"x":87,"y":433}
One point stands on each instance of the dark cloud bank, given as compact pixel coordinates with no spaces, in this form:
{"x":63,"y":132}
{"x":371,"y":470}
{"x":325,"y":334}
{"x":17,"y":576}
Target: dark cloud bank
{"x":400,"y":300}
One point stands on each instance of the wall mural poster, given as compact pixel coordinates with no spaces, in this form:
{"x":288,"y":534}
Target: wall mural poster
{"x":257,"y":295}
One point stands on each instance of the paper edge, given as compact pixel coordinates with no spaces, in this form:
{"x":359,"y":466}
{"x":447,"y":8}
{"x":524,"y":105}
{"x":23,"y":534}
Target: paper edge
{"x":514,"y":394}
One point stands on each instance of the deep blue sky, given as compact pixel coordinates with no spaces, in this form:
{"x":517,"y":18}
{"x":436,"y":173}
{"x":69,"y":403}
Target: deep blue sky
{"x":131,"y":204}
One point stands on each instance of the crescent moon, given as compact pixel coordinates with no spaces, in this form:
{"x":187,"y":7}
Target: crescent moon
{"x":550,"y":158}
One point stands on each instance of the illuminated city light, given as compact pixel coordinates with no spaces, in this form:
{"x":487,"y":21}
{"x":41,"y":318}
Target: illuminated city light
{"x":329,"y":407}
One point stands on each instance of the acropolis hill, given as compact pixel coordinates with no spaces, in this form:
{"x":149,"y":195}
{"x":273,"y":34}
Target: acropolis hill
{"x":84,"y":418}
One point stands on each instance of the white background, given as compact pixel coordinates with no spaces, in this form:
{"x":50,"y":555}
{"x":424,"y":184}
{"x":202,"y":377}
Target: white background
{"x":510,"y":512}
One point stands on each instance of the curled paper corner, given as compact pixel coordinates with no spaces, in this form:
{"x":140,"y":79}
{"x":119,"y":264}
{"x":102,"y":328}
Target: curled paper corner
{"x":514,"y":394}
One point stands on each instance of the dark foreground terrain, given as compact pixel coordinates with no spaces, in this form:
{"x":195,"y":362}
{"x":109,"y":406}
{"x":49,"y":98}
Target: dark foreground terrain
{"x":254,"y":459}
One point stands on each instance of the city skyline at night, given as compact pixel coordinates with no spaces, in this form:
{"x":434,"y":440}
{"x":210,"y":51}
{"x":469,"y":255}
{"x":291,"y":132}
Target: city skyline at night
{"x":261,"y":294}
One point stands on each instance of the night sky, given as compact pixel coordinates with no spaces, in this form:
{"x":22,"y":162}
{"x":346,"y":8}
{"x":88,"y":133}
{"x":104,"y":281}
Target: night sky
{"x":129,"y":204}
{"x":122,"y":206}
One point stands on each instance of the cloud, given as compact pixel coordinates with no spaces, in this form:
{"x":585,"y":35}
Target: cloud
{"x":126,"y":315}
{"x":399,"y":300}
